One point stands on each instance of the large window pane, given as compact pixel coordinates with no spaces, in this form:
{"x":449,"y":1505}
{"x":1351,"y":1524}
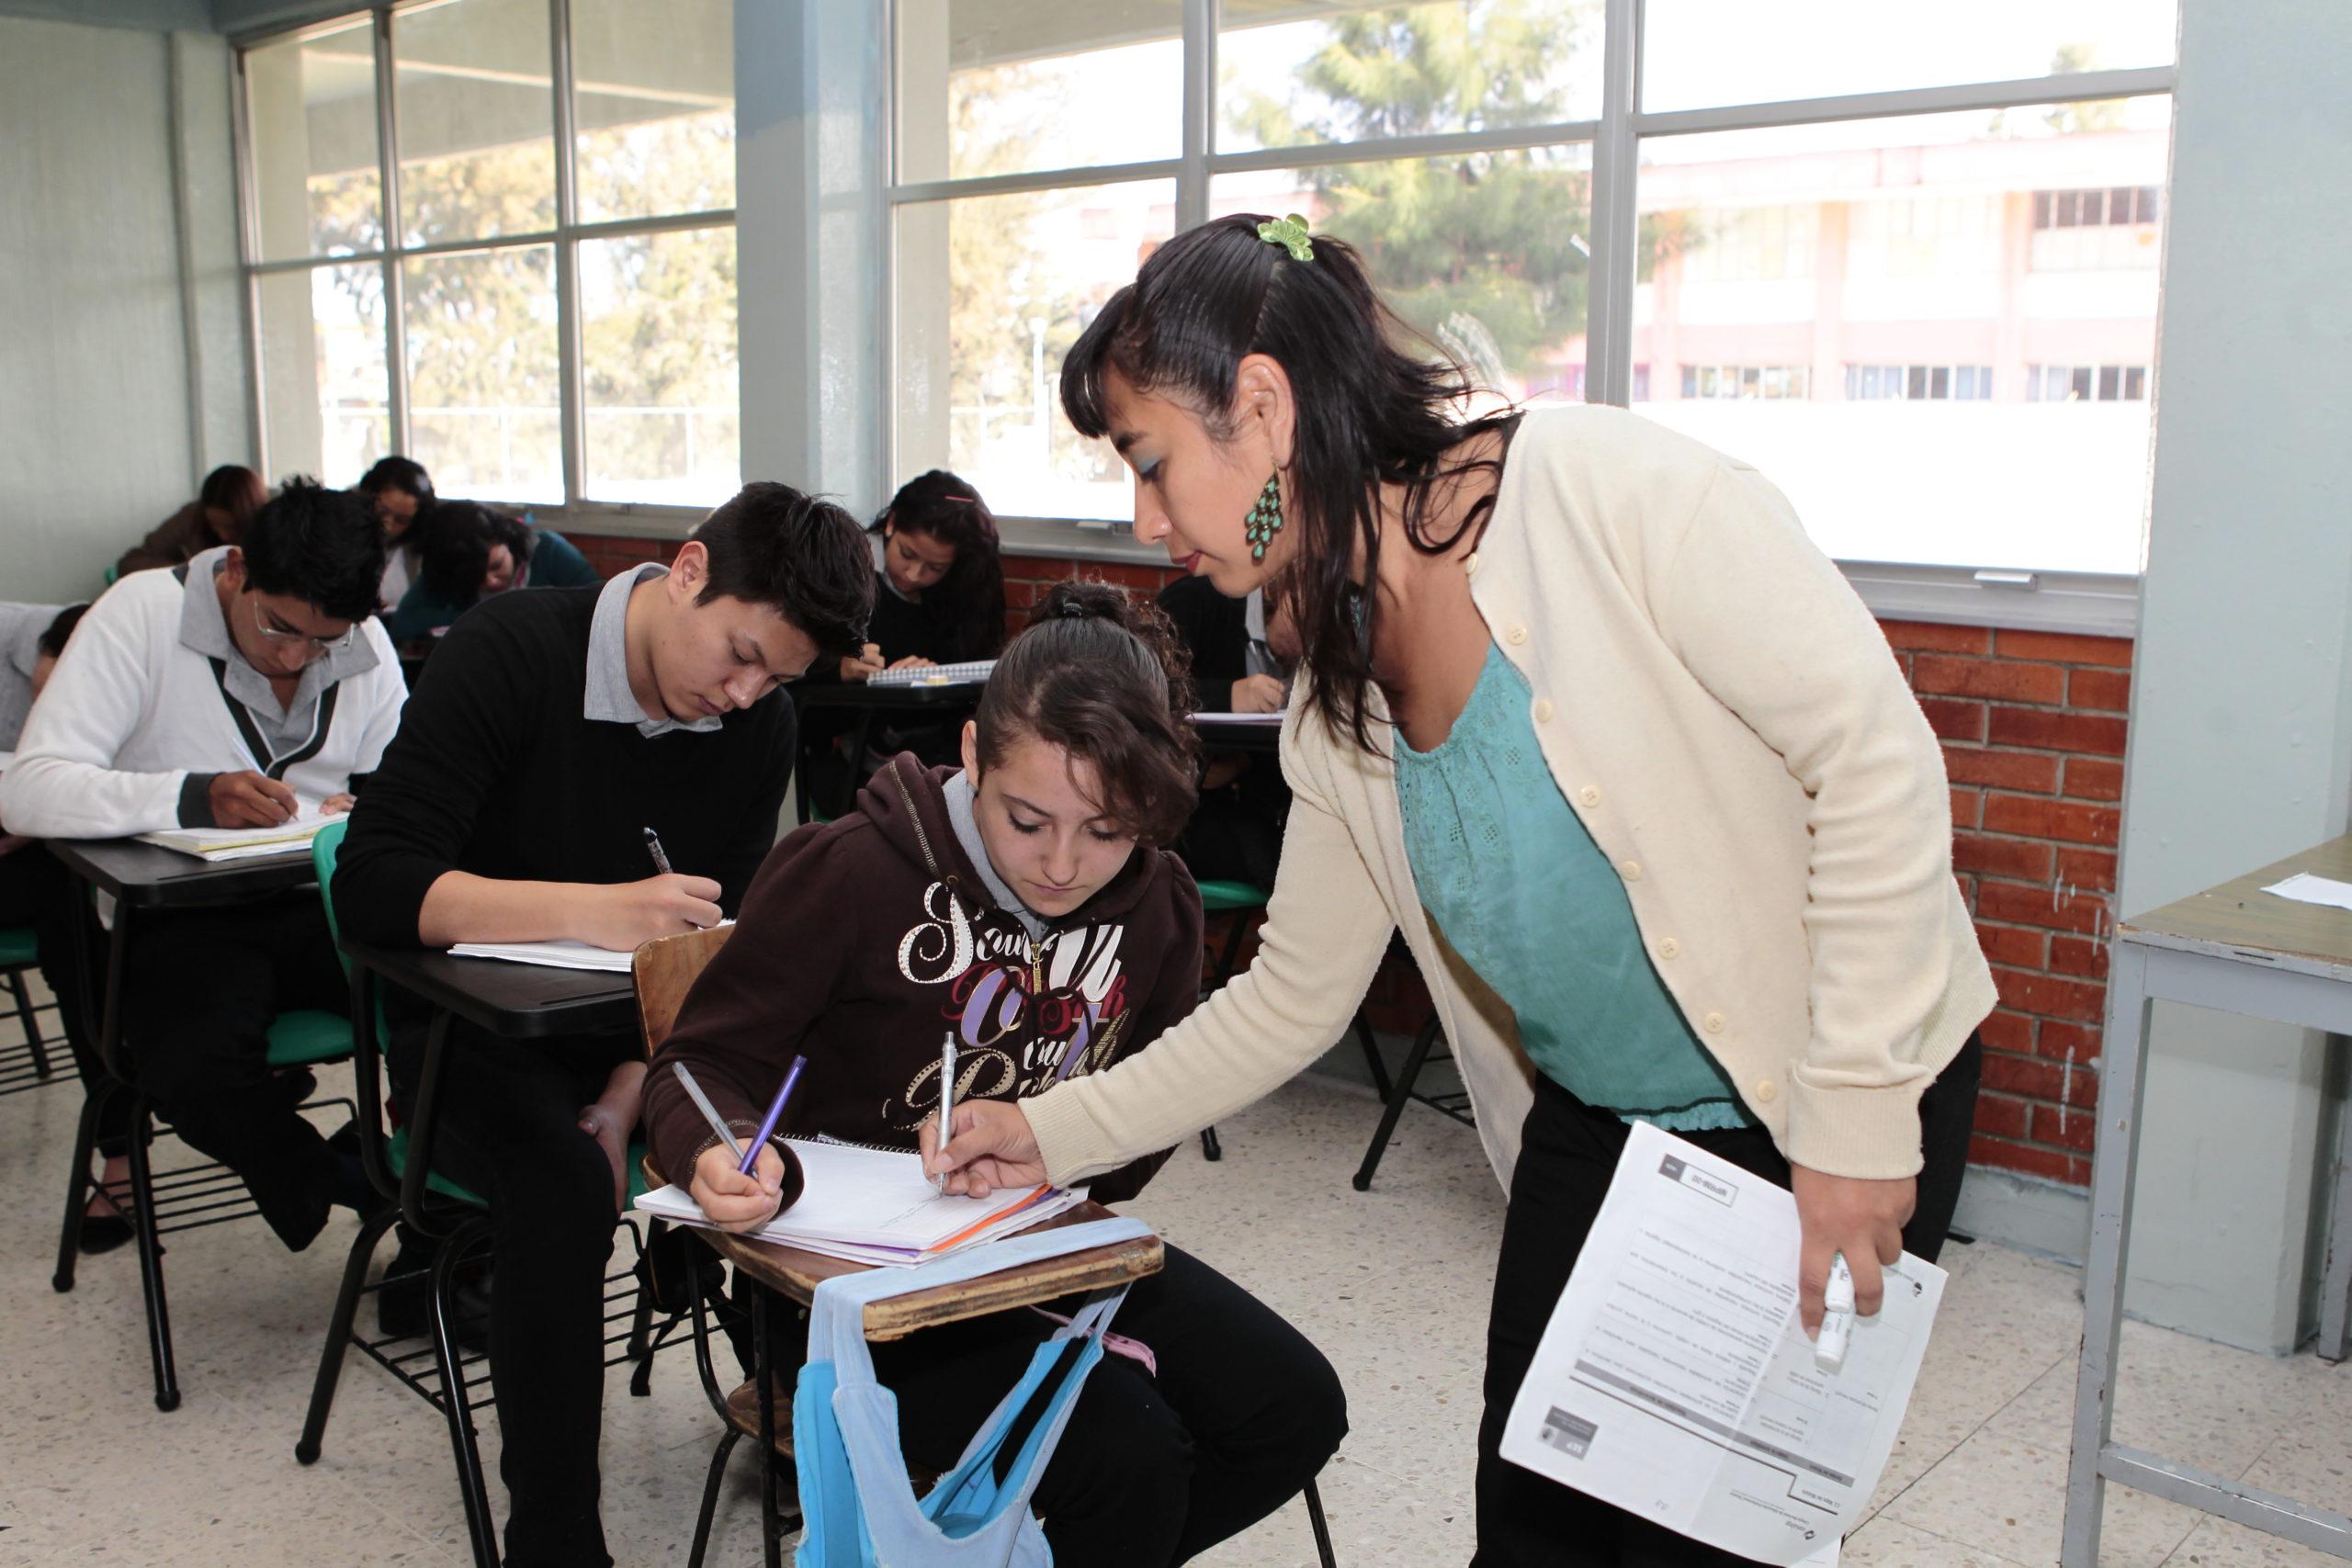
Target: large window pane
{"x":654,"y":96}
{"x":1935,"y":333}
{"x":1000,"y":86}
{"x":991,"y":293}
{"x":323,"y":387}
{"x":1487,"y":255}
{"x":658,"y":325}
{"x":311,"y":106}
{"x":477,"y":119}
{"x":483,"y":406}
{"x":1701,"y":53}
{"x":1353,"y":72}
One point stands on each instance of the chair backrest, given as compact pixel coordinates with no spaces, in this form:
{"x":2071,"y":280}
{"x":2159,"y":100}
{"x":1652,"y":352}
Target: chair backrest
{"x":324,"y":845}
{"x":665,"y":970}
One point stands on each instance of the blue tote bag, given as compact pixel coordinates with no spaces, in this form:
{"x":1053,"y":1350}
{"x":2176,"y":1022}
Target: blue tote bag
{"x":858,"y":1508}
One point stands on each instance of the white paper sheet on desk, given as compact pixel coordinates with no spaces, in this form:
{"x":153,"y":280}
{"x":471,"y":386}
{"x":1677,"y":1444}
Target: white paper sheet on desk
{"x":557,"y":954}
{"x":2305,"y":888}
{"x":243,"y":844}
{"x":1674,"y":1381}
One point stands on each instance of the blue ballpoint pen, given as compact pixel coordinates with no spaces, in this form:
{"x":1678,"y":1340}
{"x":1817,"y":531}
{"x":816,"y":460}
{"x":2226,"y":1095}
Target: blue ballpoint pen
{"x":776,"y":1114}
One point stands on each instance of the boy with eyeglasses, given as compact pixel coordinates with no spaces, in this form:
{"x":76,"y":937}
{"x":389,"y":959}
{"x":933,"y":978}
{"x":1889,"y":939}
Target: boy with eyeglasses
{"x":230,"y":692}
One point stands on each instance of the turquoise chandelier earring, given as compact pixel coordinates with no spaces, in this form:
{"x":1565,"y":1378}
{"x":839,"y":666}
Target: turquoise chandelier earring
{"x":1265,"y":517}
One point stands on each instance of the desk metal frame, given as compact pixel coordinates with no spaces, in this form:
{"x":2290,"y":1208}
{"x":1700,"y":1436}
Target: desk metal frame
{"x":143,"y":877}
{"x":2148,"y":967}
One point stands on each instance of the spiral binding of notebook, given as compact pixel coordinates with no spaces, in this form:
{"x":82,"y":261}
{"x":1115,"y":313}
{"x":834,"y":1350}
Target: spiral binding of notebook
{"x":974,"y":673}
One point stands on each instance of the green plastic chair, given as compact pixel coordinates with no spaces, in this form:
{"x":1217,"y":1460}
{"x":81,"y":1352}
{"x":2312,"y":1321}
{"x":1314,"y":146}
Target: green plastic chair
{"x":1237,"y":900}
{"x":18,"y":951}
{"x":110,"y":575}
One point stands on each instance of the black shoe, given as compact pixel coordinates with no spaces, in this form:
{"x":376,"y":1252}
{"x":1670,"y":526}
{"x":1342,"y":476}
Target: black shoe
{"x":404,"y":1305}
{"x":104,"y":1233}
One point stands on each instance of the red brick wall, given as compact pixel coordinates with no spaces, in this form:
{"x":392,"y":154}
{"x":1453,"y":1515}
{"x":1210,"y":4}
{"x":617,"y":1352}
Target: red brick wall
{"x":2032,"y":725}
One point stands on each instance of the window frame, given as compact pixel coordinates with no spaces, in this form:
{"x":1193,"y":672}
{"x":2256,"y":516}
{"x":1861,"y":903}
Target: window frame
{"x":2081,"y":602}
{"x":565,"y":238}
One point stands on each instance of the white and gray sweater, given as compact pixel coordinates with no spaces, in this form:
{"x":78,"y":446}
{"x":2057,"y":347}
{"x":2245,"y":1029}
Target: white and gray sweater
{"x":151,"y":701}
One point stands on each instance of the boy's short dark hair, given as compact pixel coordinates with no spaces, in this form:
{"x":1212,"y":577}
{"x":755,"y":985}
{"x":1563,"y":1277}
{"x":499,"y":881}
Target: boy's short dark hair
{"x":322,"y":547}
{"x":404,"y":474}
{"x":52,"y":642}
{"x":802,"y":557}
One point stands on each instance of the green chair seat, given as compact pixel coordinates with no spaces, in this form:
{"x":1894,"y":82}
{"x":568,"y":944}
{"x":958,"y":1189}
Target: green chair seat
{"x":16,"y":947}
{"x":305,"y":1036}
{"x":396,"y":1152}
{"x":1217,"y":897}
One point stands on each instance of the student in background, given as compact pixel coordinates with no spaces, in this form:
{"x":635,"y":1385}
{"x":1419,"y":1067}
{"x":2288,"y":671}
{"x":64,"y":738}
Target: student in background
{"x":226,"y":692}
{"x":468,"y":552}
{"x":1031,"y":875}
{"x":401,"y":491}
{"x":34,"y":890}
{"x":217,"y":517}
{"x":557,"y":727}
{"x":939,"y":586}
{"x":1237,"y":833}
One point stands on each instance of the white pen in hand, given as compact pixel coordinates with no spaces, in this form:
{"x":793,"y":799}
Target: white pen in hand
{"x":946,"y":1097}
{"x":702,"y":1100}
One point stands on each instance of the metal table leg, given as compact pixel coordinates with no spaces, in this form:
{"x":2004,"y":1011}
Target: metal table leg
{"x":2121,"y":1092}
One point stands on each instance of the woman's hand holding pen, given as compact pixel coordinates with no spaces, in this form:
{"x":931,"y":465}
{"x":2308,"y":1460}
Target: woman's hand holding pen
{"x":624,"y":914}
{"x":868,"y":661}
{"x":1858,"y":1216}
{"x":733,"y":1201}
{"x":992,"y":1148}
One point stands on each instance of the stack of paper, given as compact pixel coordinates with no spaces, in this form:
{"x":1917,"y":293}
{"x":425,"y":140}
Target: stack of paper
{"x":239,"y":843}
{"x":877,"y":1206}
{"x":551,"y":954}
{"x":1675,"y":1382}
{"x":560,"y":954}
{"x":967,"y":674}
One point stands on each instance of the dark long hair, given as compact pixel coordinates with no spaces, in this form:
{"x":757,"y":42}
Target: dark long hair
{"x":967,"y":603}
{"x":1105,"y":678}
{"x":1370,"y":410}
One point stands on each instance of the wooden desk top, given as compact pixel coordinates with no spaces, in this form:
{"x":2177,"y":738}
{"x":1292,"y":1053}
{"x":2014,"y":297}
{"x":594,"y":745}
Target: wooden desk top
{"x":797,"y":1274}
{"x":2238,"y":920}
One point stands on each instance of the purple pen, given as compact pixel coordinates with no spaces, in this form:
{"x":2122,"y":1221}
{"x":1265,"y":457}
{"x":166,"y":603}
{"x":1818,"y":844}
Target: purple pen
{"x":776,"y":1114}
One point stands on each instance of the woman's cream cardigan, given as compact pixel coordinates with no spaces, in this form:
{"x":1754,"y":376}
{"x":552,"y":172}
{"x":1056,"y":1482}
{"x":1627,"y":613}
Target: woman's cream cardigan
{"x":1724,"y":715}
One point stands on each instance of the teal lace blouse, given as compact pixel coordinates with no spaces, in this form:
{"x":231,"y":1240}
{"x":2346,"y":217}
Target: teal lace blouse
{"x":1508,"y":873}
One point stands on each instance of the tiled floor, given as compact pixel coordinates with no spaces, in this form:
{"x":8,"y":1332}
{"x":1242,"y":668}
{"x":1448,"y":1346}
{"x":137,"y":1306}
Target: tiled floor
{"x":1391,"y":1284}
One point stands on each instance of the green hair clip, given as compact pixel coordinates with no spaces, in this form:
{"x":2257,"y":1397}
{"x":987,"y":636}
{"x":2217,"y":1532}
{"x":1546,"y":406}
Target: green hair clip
{"x":1289,"y":233}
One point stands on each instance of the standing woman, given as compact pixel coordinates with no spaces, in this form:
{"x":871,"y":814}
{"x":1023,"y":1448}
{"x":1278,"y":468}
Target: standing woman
{"x":1587,"y":715}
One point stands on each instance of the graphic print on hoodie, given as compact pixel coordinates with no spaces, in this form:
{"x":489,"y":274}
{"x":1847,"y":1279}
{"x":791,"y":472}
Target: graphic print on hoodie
{"x":863,"y":941}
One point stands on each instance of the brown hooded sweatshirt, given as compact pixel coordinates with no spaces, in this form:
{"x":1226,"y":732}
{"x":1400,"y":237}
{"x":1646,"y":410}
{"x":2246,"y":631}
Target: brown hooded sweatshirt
{"x":863,"y":941}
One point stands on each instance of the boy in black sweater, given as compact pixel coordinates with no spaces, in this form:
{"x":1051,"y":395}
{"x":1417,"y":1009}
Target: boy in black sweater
{"x":551,"y":729}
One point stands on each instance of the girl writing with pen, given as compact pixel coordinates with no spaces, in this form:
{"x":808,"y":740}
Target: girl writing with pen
{"x":1023,"y":905}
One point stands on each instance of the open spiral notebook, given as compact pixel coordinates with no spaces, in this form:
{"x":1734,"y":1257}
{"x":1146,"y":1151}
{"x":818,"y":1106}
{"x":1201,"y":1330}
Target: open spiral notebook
{"x":872,"y":1205}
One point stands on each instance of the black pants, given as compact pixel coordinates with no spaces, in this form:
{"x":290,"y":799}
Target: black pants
{"x":507,"y":1127}
{"x":1153,"y":1468}
{"x":35,"y":891}
{"x":199,"y":988}
{"x":1568,"y":1153}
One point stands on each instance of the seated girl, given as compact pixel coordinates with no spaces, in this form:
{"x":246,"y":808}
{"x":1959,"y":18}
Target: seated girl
{"x":470,"y":552}
{"x":1022,"y":903}
{"x":939,"y":591}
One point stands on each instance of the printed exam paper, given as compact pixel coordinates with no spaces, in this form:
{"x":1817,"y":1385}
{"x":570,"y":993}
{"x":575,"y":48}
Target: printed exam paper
{"x":1675,"y":1380}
